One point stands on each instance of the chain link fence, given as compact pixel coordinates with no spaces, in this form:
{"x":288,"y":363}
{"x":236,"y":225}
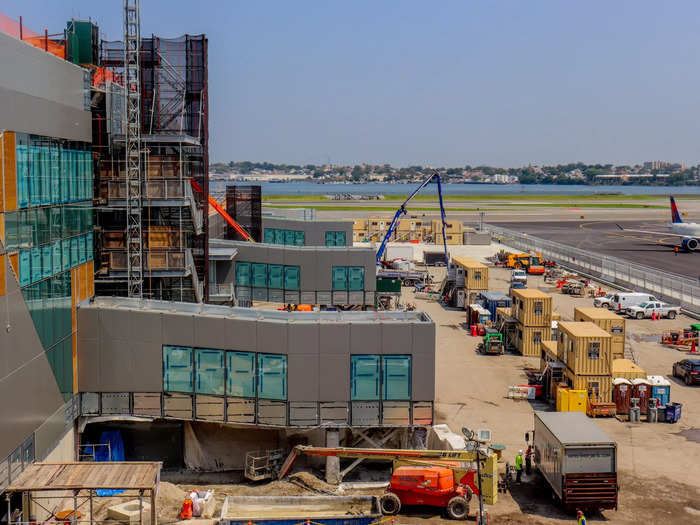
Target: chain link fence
{"x":668,"y":287}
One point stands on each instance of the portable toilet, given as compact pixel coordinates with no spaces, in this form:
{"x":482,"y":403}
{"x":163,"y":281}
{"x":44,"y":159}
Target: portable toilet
{"x":641,"y":388}
{"x":622,"y":392}
{"x":660,"y":389}
{"x":577,"y":401}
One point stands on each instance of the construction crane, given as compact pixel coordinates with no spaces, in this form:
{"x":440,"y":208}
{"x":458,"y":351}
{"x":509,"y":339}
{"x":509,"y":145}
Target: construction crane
{"x":246,"y":236}
{"x":423,"y":477}
{"x":402,"y":211}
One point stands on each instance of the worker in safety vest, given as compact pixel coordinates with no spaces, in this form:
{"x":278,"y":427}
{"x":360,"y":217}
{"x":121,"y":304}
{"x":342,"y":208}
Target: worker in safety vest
{"x":519,"y":466}
{"x":581,"y":518}
{"x":528,"y":460}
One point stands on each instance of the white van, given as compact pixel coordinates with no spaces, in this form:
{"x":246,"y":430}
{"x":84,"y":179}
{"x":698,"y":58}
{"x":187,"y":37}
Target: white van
{"x":518,"y":276}
{"x":622,"y":301}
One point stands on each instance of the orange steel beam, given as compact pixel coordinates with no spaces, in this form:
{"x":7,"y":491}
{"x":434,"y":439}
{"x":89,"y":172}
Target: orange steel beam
{"x":223,"y":213}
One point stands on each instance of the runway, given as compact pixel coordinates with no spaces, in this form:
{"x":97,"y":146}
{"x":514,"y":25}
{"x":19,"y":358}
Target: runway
{"x":606,"y":238}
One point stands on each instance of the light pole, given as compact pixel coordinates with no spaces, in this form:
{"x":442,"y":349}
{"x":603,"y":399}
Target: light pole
{"x":469,"y":435}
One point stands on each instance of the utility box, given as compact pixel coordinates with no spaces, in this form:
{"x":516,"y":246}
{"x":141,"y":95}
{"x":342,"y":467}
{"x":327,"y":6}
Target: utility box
{"x":585,"y":348}
{"x":608,"y":321}
{"x":532,"y":307}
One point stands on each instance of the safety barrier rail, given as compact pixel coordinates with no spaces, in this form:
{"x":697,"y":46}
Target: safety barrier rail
{"x":669,"y":287}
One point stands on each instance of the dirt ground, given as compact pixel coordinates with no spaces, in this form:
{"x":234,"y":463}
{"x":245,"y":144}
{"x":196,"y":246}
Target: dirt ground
{"x":657,"y":463}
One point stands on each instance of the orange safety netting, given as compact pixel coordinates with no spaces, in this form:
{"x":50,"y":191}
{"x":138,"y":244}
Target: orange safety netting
{"x":13,"y":28}
{"x":102,"y":75}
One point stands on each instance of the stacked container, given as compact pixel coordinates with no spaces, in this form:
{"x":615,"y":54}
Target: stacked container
{"x":608,"y":321}
{"x":585,"y":349}
{"x":470,"y":275}
{"x":533,"y":311}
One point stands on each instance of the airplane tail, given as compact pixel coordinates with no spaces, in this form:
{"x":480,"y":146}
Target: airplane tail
{"x":675,"y":216}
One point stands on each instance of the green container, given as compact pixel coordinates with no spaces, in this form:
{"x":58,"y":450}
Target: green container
{"x":82,"y":39}
{"x":387,"y":284}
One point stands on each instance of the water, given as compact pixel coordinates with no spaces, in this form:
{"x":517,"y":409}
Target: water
{"x":312,"y":188}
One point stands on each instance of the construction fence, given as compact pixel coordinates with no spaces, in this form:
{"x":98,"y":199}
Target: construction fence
{"x":666,"y":286}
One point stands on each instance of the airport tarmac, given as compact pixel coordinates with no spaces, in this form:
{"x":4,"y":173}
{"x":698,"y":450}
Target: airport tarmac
{"x":604,"y":237}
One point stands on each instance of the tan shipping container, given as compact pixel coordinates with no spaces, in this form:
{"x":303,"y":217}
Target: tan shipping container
{"x":359,"y":224}
{"x":476,"y":274}
{"x":627,"y":369}
{"x":585,"y":348}
{"x":532,"y":307}
{"x":529,"y":339}
{"x":608,"y":321}
{"x":598,"y":387}
{"x":548,"y":354}
{"x":556,"y":316}
{"x":452,"y":227}
{"x":503,"y":312}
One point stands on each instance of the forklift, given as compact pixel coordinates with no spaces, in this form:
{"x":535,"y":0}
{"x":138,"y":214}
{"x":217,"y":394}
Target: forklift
{"x":492,"y":343}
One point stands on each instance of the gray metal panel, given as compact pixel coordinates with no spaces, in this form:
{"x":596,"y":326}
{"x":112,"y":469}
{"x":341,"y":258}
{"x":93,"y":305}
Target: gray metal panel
{"x":209,"y":408}
{"x":115,"y":324}
{"x":241,"y":336}
{"x":324,"y":298}
{"x":340,"y":298}
{"x":334,"y":339}
{"x":365,"y":338}
{"x":303,"y":414}
{"x":303,"y":377}
{"x":244,"y":292}
{"x":334,"y":383}
{"x":276,"y":296}
{"x":240,"y":410}
{"x":356,"y":298}
{"x":52,"y":429}
{"x":423,"y":338}
{"x":422,"y":413}
{"x":291,"y":297}
{"x":89,"y":364}
{"x":369,"y":297}
{"x":307,"y":298}
{"x":89,"y":323}
{"x":115,"y":403}
{"x":304,"y":338}
{"x":396,"y":413}
{"x":178,"y":329}
{"x":90,"y":403}
{"x":210,"y":332}
{"x":272,"y":412}
{"x":365,"y":413}
{"x":423,"y":377}
{"x":147,"y":404}
{"x":396,"y":337}
{"x":272,"y":337}
{"x":334,"y":412}
{"x":177,"y":406}
{"x":573,"y":428}
{"x":145,"y":326}
{"x":259,"y":294}
{"x":324,"y":269}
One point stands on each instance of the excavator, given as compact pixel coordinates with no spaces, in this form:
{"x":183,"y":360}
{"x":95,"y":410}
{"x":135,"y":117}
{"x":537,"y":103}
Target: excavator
{"x":437,"y":478}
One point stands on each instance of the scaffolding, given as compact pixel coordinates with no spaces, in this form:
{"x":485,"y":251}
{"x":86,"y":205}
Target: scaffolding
{"x":243,"y":204}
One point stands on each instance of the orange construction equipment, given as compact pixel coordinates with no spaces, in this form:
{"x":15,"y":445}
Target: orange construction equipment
{"x":223,"y":213}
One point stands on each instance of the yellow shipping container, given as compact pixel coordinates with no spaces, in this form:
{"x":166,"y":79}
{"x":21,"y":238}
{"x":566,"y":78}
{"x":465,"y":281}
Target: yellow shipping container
{"x":608,"y":321}
{"x":452,"y":227}
{"x":529,"y":339}
{"x":548,"y":354}
{"x":556,"y":316}
{"x":359,"y":224}
{"x":585,"y":348}
{"x":476,"y":274}
{"x":627,"y":369}
{"x":562,"y":399}
{"x":532,"y":307}
{"x":598,"y":387}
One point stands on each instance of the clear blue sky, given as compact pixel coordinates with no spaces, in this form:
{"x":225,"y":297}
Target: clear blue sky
{"x":443,"y":83}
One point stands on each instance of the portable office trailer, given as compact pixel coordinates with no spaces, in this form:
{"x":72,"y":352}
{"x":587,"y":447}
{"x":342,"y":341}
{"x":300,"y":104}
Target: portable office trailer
{"x":608,"y":321}
{"x":598,"y":387}
{"x":548,"y":354}
{"x":578,"y":460}
{"x":492,"y":301}
{"x":471,"y":274}
{"x":532,"y":307}
{"x":585,"y":348}
{"x":627,"y":369}
{"x":529,"y":339}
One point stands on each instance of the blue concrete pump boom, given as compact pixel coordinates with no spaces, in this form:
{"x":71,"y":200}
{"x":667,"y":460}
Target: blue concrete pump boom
{"x":402,"y":211}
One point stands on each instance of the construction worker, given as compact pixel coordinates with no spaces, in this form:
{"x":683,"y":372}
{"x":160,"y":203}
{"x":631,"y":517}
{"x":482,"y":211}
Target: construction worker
{"x":519,"y":466}
{"x":676,"y":250}
{"x":580,"y":517}
{"x":528,"y":460}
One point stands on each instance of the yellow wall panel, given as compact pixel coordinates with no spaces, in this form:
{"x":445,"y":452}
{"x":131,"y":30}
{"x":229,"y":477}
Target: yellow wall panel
{"x":9,"y":172}
{"x":91,"y":279}
{"x":14,"y":263}
{"x":75,"y":362}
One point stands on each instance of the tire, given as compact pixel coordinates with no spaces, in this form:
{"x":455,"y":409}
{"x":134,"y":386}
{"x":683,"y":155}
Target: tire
{"x":640,"y":315}
{"x":671,"y":315}
{"x":688,"y":380}
{"x":390,"y":504}
{"x":457,"y":508}
{"x":607,"y":306}
{"x":674,"y":374}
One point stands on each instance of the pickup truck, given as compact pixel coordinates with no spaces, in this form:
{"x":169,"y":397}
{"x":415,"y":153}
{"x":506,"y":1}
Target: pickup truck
{"x":604,"y":302}
{"x":518,"y":275}
{"x":645,"y":310}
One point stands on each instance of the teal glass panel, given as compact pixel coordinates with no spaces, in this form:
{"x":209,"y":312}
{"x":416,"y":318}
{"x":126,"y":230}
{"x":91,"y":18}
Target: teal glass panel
{"x":364,"y":377}
{"x":240,"y":374}
{"x":289,"y":237}
{"x":46,"y":262}
{"x":55,"y":175}
{"x":11,"y":231}
{"x":177,"y":369}
{"x":65,"y":169}
{"x":210,"y":371}
{"x":291,"y":278}
{"x":269,"y":236}
{"x":46,"y":319}
{"x":356,"y":278}
{"x":340,"y":278}
{"x":80,"y":176}
{"x":279,"y":236}
{"x":299,"y":238}
{"x":89,"y":246}
{"x":82,"y":249}
{"x":34,"y":176}
{"x":30,"y":226}
{"x":74,"y":251}
{"x":272,"y":376}
{"x":259,"y":274}
{"x":36,"y":264}
{"x":276,"y":276}
{"x":73,"y":177}
{"x":43,"y":225}
{"x":55,"y":226}
{"x":45,"y":174}
{"x":340,"y":238}
{"x":396,"y":377}
{"x":22,"y":161}
{"x":56,"y":257}
{"x":330,"y":239}
{"x":242,"y":274}
{"x":25,"y":267}
{"x":65,"y":253}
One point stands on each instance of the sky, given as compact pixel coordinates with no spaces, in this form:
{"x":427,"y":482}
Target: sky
{"x":449,"y":83}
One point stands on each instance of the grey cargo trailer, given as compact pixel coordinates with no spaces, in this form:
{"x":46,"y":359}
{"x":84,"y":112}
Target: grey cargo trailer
{"x":578,"y":460}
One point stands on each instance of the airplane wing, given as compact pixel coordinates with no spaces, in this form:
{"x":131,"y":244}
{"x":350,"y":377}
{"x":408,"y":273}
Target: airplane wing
{"x":665,"y":234}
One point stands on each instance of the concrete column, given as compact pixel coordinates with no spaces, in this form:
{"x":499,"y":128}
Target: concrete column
{"x":332,"y":464}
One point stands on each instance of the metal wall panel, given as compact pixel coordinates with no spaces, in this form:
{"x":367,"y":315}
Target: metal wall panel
{"x":90,"y":404}
{"x":209,"y":408}
{"x":369,"y":296}
{"x":422,"y":413}
{"x":423,"y":377}
{"x":423,"y":338}
{"x":303,"y":414}
{"x":115,"y":403}
{"x":365,"y":338}
{"x":324,"y":298}
{"x":291,"y":297}
{"x":396,"y":413}
{"x":365,"y":413}
{"x":243,"y":292}
{"x":303,"y":377}
{"x":272,"y":412}
{"x":147,"y":404}
{"x":333,"y":413}
{"x":340,"y":298}
{"x":356,"y":298}
{"x":240,"y":410}
{"x":177,"y":406}
{"x":307,"y":298}
{"x":259,"y":294}
{"x":396,"y":337}
{"x":276,"y":296}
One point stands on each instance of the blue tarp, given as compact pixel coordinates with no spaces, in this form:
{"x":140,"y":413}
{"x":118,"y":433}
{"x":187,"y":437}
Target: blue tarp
{"x":115,"y":452}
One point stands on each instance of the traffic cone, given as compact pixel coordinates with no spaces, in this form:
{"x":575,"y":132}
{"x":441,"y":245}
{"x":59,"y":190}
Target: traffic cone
{"x":653,"y":315}
{"x":693,"y":350}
